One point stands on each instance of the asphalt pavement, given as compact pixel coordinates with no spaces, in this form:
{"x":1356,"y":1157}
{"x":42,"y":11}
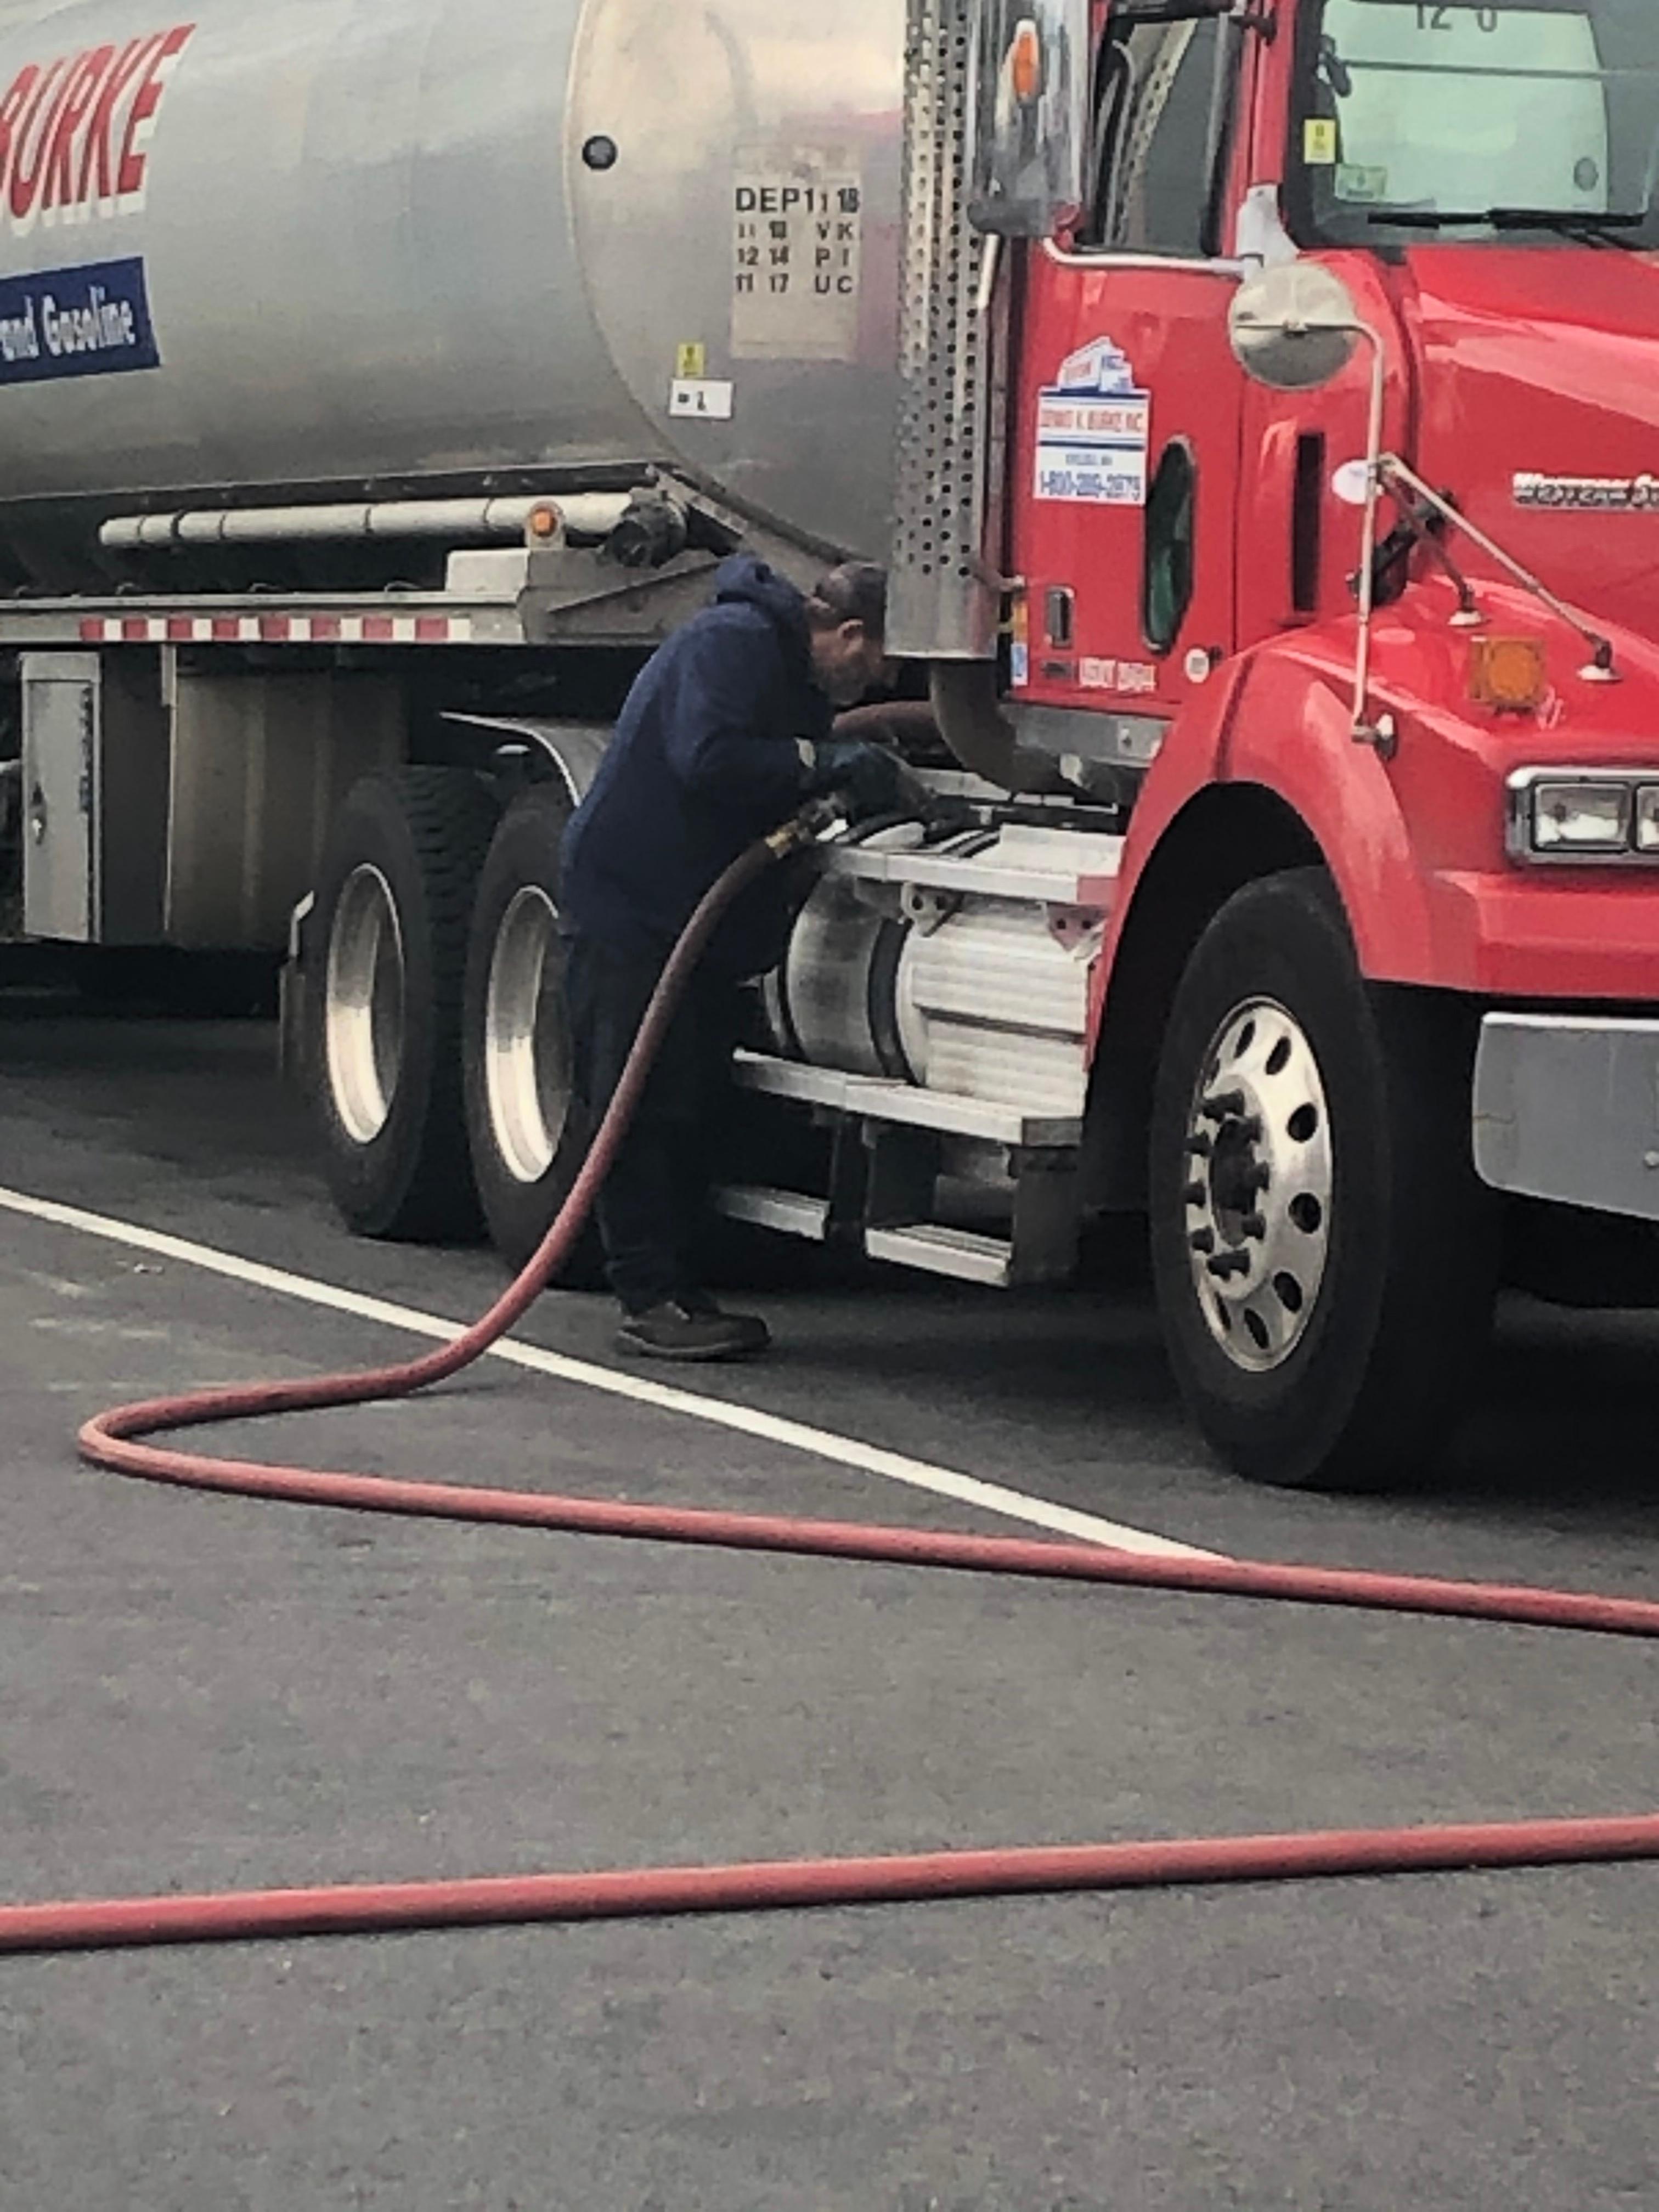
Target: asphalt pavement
{"x":199,"y":1693}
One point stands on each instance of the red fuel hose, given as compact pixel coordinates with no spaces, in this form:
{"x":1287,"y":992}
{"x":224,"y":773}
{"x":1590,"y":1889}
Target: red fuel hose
{"x":113,"y":1441}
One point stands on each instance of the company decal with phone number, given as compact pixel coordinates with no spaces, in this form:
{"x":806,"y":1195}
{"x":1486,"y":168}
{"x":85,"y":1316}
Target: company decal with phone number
{"x":1094,"y":429}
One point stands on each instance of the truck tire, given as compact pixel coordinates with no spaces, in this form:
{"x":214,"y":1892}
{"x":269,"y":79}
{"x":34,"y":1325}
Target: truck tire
{"x":526,"y":1129}
{"x":1325,"y":1257}
{"x":384,"y":1009}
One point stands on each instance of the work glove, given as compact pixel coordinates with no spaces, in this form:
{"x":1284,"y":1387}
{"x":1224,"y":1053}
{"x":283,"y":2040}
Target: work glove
{"x":869,"y":779}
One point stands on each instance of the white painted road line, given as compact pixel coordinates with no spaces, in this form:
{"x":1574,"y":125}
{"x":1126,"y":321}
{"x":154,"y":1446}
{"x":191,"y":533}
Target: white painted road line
{"x":770,"y":1428}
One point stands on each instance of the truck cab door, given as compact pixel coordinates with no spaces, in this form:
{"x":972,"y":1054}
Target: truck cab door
{"x":1127,"y":403}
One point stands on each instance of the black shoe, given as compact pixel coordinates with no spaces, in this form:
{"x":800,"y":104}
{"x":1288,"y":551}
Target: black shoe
{"x":692,"y":1329}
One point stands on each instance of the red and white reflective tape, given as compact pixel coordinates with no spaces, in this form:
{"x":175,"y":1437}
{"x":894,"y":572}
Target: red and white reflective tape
{"x":276,"y":629}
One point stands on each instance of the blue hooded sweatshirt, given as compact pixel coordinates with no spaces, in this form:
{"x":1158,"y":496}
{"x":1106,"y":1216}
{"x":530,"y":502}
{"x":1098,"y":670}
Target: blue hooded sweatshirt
{"x":705,"y":758}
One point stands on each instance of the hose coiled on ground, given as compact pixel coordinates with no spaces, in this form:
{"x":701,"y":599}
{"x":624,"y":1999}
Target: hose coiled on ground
{"x":116,"y":1440}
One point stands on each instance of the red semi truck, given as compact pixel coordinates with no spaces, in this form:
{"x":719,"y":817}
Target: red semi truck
{"x":1255,"y":402}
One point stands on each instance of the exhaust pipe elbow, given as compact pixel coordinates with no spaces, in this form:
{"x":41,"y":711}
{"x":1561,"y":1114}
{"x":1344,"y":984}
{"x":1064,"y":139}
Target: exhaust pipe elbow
{"x":973,"y":725}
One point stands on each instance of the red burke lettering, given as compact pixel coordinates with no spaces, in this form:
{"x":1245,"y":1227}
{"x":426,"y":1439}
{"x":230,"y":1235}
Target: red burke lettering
{"x":28,"y":161}
{"x":59,"y":191}
{"x":11,"y":107}
{"x":130,"y":177}
{"x":74,"y":134}
{"x":99,"y":148}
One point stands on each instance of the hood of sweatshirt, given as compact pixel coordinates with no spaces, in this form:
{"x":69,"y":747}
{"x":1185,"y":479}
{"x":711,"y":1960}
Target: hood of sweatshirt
{"x":745,"y":581}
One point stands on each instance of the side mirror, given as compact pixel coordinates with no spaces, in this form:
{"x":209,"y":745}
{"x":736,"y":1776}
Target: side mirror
{"x":1294,"y":326}
{"x":1030,"y":138}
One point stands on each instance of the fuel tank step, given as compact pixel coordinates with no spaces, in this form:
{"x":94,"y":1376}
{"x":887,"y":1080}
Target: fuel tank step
{"x":871,"y":1098}
{"x":964,"y":1255}
{"x":791,"y":1212}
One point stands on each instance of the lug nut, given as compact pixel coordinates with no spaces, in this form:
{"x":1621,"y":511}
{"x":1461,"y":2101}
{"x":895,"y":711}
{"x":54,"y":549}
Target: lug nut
{"x":1203,"y":1240}
{"x":1199,"y":1146}
{"x":1227,"y":1264}
{"x":1254,"y":1226}
{"x":1223,"y":1105}
{"x":1195,"y":1193}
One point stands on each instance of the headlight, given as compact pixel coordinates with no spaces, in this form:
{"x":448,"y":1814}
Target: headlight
{"x":1582,"y":815}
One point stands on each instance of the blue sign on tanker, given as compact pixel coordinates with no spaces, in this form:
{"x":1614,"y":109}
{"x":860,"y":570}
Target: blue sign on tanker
{"x":94,"y":321}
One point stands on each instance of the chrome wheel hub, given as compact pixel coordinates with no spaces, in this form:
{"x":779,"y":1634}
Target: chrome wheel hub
{"x":1258,"y":1197}
{"x":363,"y":1005}
{"x":526,"y":1045}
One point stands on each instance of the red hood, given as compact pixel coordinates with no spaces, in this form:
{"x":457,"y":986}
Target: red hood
{"x":1544,"y":363}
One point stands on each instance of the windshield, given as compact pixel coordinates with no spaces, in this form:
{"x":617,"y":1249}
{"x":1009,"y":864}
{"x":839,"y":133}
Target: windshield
{"x":1410,"y":115}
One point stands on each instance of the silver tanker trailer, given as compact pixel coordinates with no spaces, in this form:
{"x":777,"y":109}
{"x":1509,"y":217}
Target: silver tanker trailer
{"x":361,"y":250}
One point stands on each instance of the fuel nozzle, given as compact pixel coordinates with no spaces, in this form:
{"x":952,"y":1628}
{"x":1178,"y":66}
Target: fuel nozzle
{"x":819,"y":820}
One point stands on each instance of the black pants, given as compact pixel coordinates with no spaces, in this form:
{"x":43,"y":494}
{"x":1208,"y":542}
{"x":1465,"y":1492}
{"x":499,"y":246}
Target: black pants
{"x":653,"y":1208}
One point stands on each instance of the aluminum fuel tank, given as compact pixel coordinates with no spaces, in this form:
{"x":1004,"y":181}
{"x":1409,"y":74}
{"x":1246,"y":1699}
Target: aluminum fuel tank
{"x":266,"y":244}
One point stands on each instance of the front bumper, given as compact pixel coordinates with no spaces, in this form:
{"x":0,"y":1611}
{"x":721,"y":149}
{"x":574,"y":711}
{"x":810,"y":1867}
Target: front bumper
{"x":1566,"y":1107}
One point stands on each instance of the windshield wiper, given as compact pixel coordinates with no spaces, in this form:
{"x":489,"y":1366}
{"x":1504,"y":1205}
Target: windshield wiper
{"x":1582,"y":224}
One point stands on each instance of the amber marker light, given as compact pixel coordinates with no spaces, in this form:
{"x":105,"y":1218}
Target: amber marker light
{"x":1025,"y":63}
{"x":543,"y":524}
{"x":1508,"y":674}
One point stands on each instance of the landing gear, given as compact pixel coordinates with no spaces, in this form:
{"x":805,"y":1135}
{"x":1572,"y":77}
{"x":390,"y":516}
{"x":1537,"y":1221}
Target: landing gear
{"x":1325,"y":1256}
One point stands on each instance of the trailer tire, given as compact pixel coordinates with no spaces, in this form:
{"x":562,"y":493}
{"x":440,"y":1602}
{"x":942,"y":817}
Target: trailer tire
{"x":526,"y":1127}
{"x":384,"y":1009}
{"x":1325,"y":1259}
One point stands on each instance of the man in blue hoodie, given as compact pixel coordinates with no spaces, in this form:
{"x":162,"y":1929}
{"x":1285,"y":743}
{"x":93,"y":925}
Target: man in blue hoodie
{"x":725,"y":733}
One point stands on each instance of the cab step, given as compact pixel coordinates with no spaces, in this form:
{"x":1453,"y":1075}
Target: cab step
{"x":895,"y":1164}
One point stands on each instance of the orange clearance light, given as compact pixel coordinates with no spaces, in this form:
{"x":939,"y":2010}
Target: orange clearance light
{"x":1508,"y":674}
{"x":543,"y":523}
{"x":1025,"y":63}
